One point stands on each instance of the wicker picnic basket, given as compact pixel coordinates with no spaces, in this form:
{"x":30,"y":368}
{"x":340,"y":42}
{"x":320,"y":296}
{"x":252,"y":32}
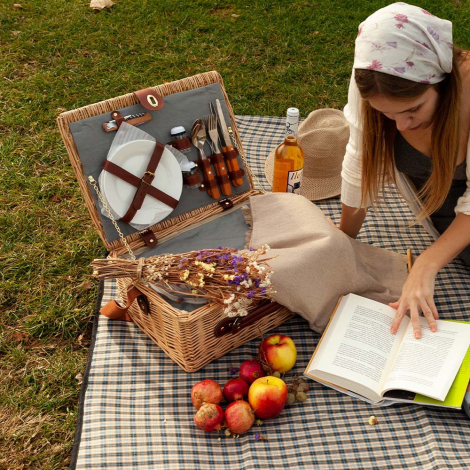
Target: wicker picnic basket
{"x":191,"y":339}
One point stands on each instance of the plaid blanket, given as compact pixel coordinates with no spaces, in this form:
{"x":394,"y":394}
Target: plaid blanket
{"x":136,"y":413}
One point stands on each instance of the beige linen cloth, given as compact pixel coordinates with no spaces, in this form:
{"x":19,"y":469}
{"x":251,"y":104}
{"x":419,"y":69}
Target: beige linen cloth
{"x":315,"y":263}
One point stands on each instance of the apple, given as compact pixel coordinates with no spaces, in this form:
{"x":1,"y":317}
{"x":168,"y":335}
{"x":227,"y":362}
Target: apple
{"x":279,"y":352}
{"x":268,"y":396}
{"x":239,"y":417}
{"x":251,"y":370}
{"x":207,"y":391}
{"x":236,"y":389}
{"x":209,"y":417}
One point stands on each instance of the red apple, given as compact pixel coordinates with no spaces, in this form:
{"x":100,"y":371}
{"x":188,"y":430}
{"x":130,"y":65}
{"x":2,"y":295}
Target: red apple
{"x":209,"y":417}
{"x":251,"y":370}
{"x":239,"y":417}
{"x":236,"y":389}
{"x":207,"y":391}
{"x":267,"y":396}
{"x":279,"y":352}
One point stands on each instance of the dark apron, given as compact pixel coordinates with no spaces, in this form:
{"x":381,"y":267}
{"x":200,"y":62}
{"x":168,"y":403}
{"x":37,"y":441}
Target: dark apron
{"x":417,"y":167}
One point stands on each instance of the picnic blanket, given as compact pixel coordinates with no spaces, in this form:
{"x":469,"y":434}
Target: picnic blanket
{"x":135,"y":409}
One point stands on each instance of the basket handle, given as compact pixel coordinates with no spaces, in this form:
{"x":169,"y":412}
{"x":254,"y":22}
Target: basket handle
{"x":235,"y":324}
{"x":115,"y":311}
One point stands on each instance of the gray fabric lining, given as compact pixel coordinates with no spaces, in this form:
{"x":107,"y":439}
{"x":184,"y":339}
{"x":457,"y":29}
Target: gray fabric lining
{"x":181,"y":109}
{"x":228,"y":230}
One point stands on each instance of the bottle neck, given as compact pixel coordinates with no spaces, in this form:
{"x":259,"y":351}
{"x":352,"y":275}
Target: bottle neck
{"x":290,"y":140}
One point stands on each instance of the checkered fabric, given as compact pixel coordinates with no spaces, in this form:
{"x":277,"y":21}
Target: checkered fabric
{"x":136,"y":411}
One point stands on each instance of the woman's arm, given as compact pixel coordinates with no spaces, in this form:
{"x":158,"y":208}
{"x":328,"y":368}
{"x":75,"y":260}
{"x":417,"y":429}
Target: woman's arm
{"x":351,"y":220}
{"x":418,"y":290}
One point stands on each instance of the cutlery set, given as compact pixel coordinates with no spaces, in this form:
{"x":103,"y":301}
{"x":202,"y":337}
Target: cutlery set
{"x":224,"y":155}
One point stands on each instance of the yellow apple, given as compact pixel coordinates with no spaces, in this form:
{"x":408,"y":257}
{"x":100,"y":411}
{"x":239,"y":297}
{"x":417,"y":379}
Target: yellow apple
{"x":279,"y":352}
{"x":267,"y":396}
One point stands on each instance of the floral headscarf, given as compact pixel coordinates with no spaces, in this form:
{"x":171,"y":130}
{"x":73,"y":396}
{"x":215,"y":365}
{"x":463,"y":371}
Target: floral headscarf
{"x":406,"y":41}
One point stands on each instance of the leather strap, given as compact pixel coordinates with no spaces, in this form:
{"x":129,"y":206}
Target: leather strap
{"x":192,"y":180}
{"x":231,"y":154}
{"x":181,"y":144}
{"x":222,"y":179}
{"x":233,"y":175}
{"x":216,"y":158}
{"x":235,"y":324}
{"x":206,"y":185}
{"x":143,"y":184}
{"x":115,"y":311}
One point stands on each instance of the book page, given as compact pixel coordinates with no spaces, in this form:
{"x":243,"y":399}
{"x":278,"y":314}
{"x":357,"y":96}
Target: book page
{"x":358,"y":348}
{"x":429,"y":365}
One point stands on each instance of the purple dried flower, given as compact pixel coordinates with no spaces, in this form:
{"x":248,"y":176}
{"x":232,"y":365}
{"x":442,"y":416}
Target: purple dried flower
{"x":257,"y":436}
{"x":263,"y":291}
{"x":233,"y":371}
{"x":219,"y":247}
{"x":245,"y":276}
{"x":240,"y":259}
{"x":257,"y":281}
{"x":199,"y":257}
{"x":251,"y":294}
{"x":251,"y":249}
{"x":208,"y":260}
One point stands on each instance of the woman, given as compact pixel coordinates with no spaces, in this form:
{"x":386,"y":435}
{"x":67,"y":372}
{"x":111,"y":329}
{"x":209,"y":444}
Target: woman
{"x":409,"y":110}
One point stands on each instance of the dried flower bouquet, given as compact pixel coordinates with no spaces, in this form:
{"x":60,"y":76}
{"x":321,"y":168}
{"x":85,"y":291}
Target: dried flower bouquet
{"x":239,"y":280}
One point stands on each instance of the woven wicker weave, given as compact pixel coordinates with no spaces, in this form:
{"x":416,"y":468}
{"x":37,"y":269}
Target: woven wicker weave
{"x":186,"y":337}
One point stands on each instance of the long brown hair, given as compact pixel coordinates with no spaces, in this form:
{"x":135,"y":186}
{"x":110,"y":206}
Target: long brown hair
{"x":379,"y":133}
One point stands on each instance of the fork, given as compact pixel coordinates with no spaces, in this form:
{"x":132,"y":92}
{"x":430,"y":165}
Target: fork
{"x":211,"y":123}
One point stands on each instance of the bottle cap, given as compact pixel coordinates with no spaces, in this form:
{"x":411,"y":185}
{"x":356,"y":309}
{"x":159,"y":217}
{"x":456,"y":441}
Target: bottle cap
{"x":293,"y":112}
{"x":177,"y":130}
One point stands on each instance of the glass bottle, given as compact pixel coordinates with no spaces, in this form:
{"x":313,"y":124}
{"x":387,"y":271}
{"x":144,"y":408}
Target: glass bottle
{"x":288,"y":166}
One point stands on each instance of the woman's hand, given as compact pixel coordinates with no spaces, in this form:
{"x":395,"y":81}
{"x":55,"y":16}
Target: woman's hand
{"x":417,"y":294}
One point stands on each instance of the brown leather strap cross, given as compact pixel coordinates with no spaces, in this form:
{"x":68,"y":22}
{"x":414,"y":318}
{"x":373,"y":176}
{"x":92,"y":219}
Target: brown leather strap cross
{"x":143,"y":185}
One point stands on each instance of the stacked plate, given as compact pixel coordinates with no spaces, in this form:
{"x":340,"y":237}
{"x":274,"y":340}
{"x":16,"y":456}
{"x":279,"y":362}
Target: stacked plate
{"x":134,"y":157}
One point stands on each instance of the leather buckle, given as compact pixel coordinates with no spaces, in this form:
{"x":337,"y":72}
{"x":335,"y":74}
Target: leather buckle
{"x":148,"y":173}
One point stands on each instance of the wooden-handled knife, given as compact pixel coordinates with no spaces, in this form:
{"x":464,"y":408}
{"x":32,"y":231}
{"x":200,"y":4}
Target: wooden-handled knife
{"x":229,"y":151}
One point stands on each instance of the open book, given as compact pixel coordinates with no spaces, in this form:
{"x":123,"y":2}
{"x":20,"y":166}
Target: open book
{"x":359,"y":356}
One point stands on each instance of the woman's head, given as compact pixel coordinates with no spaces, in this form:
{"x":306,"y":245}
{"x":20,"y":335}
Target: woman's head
{"x":406,"y":72}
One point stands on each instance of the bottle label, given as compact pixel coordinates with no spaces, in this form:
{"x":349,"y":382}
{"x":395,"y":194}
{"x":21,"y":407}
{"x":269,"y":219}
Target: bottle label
{"x":294,"y":178}
{"x":292,"y":125}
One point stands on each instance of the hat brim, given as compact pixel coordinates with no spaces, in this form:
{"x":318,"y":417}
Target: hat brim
{"x":314,"y":189}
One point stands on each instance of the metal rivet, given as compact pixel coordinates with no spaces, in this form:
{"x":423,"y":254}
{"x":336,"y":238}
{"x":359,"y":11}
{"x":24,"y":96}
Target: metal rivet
{"x":151,"y":241}
{"x":227,"y":203}
{"x":223,"y":328}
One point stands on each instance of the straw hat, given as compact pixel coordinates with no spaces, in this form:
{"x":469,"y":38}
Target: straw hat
{"x":323,"y":137}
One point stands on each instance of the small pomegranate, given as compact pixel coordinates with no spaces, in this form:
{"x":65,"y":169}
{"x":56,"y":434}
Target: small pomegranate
{"x":236,"y":389}
{"x":207,"y":391}
{"x":209,"y":417}
{"x":239,"y":416}
{"x":251,"y":370}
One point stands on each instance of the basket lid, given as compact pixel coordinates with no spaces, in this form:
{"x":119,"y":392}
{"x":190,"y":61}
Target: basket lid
{"x":87,"y":146}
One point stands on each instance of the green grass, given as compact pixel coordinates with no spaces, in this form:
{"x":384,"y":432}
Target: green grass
{"x":59,"y":55}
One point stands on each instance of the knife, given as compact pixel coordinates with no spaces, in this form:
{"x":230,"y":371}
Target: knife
{"x":230,"y":153}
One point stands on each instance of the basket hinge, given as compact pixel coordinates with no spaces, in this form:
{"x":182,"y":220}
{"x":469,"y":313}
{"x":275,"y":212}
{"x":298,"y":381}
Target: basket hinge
{"x":149,"y":238}
{"x":226,"y":204}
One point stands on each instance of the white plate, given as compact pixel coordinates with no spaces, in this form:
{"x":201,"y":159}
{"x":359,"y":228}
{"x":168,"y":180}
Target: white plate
{"x":134,"y":157}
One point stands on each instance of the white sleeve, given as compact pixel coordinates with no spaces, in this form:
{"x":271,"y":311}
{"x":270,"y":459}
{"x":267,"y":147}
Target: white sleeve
{"x":463,"y":203}
{"x":352,"y":162}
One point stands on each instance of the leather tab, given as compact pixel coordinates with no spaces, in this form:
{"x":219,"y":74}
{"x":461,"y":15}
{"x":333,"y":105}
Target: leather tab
{"x":115,"y":311}
{"x":226,"y":204}
{"x":234,"y":324}
{"x":203,"y":163}
{"x":118,"y":117}
{"x":149,"y":238}
{"x":233,"y":175}
{"x":150,"y":99}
